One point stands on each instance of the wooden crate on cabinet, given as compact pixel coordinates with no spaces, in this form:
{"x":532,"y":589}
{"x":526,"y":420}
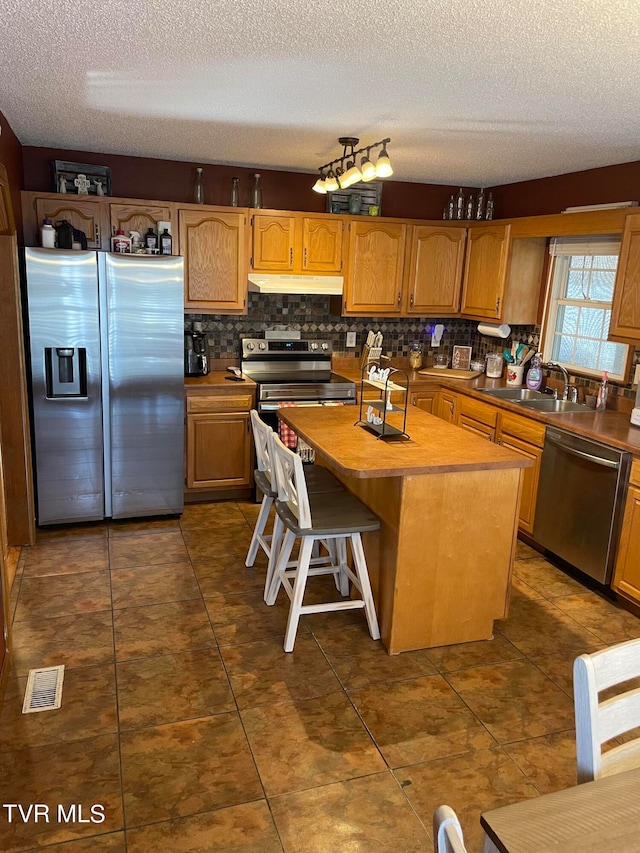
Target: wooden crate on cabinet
{"x":625,"y":309}
{"x":215,"y":245}
{"x":219,"y":445}
{"x":374,"y":279}
{"x":297,"y":243}
{"x":502,"y":276}
{"x":526,"y":437}
{"x":84,"y":214}
{"x":626,"y":578}
{"x":434,"y":277}
{"x":142,"y":216}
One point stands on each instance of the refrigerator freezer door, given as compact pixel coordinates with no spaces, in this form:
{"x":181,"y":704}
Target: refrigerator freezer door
{"x":144,"y":460}
{"x":62,"y":291}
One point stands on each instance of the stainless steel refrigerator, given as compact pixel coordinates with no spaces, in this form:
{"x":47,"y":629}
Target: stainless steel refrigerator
{"x":107,"y":367}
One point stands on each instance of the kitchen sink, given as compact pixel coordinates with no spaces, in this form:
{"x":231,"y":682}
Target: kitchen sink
{"x":516,"y":394}
{"x":550,"y":407}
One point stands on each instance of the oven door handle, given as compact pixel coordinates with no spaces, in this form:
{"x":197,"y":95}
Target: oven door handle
{"x":275,"y":405}
{"x":597,"y":460}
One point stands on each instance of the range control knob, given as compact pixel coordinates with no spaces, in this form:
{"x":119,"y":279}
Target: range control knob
{"x":314,"y":345}
{"x":262,"y":345}
{"x":325,"y":346}
{"x":250,"y":346}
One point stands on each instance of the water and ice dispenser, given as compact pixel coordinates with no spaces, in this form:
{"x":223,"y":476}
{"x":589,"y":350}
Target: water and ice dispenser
{"x":66,"y":371}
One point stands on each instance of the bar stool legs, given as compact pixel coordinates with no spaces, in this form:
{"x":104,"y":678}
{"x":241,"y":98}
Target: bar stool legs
{"x":258,"y":539}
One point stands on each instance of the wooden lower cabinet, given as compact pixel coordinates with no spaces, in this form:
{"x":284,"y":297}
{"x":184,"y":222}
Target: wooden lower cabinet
{"x":626,"y":579}
{"x":526,"y":437}
{"x":447,"y":406}
{"x":477,"y":417}
{"x":428,"y":401}
{"x":219,"y":443}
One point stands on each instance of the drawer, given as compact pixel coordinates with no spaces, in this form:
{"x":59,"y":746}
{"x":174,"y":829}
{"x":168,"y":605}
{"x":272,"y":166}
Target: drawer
{"x":487,"y":415}
{"x":219,"y":403}
{"x":634,"y":477}
{"x":524,"y":429}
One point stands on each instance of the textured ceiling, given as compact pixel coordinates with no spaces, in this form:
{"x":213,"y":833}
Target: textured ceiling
{"x":476,"y":92}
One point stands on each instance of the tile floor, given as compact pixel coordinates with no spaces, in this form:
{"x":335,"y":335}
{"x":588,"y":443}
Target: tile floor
{"x":184,"y":719}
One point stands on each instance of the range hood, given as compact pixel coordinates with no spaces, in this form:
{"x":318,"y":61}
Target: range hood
{"x":324,"y":285}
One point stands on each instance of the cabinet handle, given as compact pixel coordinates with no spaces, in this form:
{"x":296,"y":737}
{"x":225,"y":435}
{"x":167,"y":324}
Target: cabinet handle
{"x":411,"y":301}
{"x":399,"y":297}
{"x":97,"y":234}
{"x":291,"y":256}
{"x":305,"y":257}
{"x":497,"y":304}
{"x":413,"y":400}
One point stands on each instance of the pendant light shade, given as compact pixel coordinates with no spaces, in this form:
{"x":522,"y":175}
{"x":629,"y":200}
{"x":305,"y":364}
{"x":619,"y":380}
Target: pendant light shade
{"x":320,"y":186}
{"x":383,"y":164}
{"x":367,"y":168}
{"x":330,"y":183}
{"x":339,"y":177}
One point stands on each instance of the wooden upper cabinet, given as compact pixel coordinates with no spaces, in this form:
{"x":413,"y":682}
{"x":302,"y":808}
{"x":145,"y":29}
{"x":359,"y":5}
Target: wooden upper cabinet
{"x":83,"y":215}
{"x":485,"y":272}
{"x":295,"y":243}
{"x":137,"y":217}
{"x":625,"y":311}
{"x":273,"y":243}
{"x":322,"y":244}
{"x":376,"y":264}
{"x":435,"y":271}
{"x":215,"y":249}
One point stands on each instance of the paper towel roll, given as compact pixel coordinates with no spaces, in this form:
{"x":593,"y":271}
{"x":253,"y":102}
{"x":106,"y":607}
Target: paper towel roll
{"x":493,"y":331}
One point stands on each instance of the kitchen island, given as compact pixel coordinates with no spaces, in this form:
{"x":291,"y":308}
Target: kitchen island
{"x":448,"y":505}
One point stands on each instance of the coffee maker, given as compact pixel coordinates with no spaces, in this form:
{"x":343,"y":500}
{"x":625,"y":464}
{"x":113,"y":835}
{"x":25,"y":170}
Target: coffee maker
{"x":195,"y":354}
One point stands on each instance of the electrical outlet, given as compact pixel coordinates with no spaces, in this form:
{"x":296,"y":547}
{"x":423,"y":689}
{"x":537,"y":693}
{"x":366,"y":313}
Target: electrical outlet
{"x":351,"y":339}
{"x":636,"y":375}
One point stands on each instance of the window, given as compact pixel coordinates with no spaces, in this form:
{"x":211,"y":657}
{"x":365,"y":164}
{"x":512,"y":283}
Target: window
{"x":582,"y":276}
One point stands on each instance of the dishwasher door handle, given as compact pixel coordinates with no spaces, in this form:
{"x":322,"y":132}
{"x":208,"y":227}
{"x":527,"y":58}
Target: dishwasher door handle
{"x":597,"y":460}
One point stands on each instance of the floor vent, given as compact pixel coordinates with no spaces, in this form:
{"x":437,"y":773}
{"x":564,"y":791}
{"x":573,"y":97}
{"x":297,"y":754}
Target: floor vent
{"x":44,"y":689}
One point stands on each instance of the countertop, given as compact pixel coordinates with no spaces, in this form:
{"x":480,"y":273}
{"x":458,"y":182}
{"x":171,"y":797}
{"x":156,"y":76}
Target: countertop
{"x":609,"y":427}
{"x":434,"y":446}
{"x":217,"y":379}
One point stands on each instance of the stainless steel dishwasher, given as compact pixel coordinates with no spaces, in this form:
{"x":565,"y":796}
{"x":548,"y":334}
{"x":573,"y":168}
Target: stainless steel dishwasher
{"x":580,"y":498}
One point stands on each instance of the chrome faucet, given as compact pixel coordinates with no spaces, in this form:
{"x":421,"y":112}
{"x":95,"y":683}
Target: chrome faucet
{"x":565,"y":376}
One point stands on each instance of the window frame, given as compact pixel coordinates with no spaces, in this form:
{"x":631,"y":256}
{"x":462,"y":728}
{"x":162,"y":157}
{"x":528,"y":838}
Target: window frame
{"x":551,"y":306}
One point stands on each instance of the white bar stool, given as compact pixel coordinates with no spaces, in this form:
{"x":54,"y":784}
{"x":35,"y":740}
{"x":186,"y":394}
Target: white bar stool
{"x":328,"y":517}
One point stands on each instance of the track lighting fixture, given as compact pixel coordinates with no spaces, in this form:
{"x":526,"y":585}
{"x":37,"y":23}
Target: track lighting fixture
{"x":343,"y":171}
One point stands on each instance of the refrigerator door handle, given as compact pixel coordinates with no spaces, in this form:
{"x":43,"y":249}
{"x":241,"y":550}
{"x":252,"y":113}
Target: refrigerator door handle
{"x":104,"y":362}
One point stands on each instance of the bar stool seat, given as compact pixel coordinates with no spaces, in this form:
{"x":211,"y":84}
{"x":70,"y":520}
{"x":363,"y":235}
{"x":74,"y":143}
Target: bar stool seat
{"x":319,"y":479}
{"x":330,"y":518}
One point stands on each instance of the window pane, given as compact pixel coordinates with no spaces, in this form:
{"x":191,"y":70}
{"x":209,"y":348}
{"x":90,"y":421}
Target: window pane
{"x":577,"y":285}
{"x":579,"y":261}
{"x":605,"y":262}
{"x":586,"y":353}
{"x":602,"y":285}
{"x":564,"y":349}
{"x":567,"y":319}
{"x":590,"y":322}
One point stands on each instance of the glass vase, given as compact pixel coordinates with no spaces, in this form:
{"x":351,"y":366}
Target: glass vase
{"x":198,"y":191}
{"x":256,"y":192}
{"x":234,"y":191}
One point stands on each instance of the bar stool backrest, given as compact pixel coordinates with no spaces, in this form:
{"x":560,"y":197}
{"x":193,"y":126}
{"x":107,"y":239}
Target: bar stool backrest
{"x":261,"y":435}
{"x":290,"y":481}
{"x":447,"y":832}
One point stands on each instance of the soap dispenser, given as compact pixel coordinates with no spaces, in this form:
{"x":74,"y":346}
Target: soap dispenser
{"x":534,"y":375}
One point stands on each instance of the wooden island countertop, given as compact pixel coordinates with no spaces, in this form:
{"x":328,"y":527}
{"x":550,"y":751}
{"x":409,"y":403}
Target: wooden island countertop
{"x":447,"y":501}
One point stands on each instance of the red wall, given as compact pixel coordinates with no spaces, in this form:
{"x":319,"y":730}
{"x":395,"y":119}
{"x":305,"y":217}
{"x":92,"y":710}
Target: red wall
{"x":172,"y":180}
{"x":11,"y":158}
{"x":553,"y":195}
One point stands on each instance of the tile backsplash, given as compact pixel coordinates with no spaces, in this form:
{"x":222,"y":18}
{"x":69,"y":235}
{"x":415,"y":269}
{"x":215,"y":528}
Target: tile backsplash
{"x":311,"y":316}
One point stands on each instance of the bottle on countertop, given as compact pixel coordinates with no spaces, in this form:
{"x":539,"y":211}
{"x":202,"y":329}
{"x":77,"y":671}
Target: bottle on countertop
{"x":120,"y":243}
{"x":470,"y":208}
{"x":451,"y":208}
{"x":47,"y":235}
{"x":166,"y":242}
{"x":151,"y":239}
{"x":489,"y":213}
{"x":64,"y":234}
{"x":198,"y":189}
{"x":480,"y":205}
{"x":603,"y":390}
{"x":234,"y":191}
{"x":460,"y":204}
{"x":534,"y":374}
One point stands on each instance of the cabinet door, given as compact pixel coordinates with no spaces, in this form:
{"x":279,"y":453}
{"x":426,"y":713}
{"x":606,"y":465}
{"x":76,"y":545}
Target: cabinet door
{"x":218,"y":451}
{"x":435,"y":275}
{"x":426,"y":400}
{"x":137,"y":217}
{"x":626,"y":579}
{"x":485,"y":272}
{"x":322,"y":245}
{"x":83,"y":215}
{"x":273,"y":240}
{"x":376,"y":262}
{"x":529,"y":478}
{"x":447,"y":406}
{"x":214,"y":246}
{"x":625,"y":310}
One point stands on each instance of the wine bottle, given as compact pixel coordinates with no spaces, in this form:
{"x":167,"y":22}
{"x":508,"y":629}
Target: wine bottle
{"x":451,"y":208}
{"x":489,"y":213}
{"x":480,"y":205}
{"x":256,"y":192}
{"x":460,"y":204}
{"x":234,"y":191}
{"x":470,"y":208}
{"x":198,"y":191}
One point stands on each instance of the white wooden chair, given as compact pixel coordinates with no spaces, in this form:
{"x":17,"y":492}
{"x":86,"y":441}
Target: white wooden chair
{"x":599,"y":721}
{"x":320,"y":480}
{"x":328,"y":517}
{"x":447,"y":833}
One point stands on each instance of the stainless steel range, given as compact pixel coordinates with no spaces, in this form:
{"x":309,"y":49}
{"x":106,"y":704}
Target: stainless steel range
{"x":294,"y":371}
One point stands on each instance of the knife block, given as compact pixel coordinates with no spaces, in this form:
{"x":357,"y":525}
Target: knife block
{"x":369,"y":354}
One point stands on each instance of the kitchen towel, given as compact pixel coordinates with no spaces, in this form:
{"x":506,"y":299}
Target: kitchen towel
{"x":287,"y":436}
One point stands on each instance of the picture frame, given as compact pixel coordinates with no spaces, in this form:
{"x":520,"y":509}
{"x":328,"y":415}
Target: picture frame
{"x":368,"y":195}
{"x":64,"y":169}
{"x":461,"y":359}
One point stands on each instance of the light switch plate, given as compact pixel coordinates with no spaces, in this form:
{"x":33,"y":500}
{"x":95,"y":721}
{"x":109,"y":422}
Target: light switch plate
{"x":636,"y":375}
{"x":351,"y":339}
